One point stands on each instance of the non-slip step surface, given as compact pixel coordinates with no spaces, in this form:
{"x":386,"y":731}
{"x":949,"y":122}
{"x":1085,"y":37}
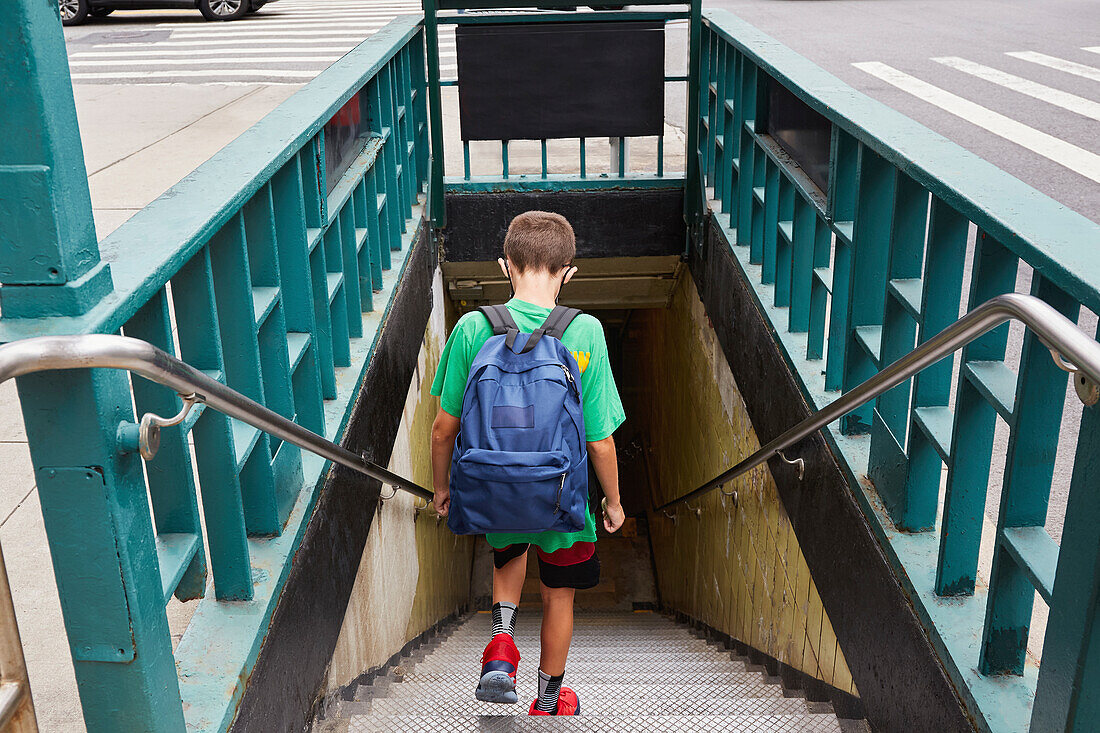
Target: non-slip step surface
{"x":597,"y":705}
{"x":633,"y":678}
{"x":614,"y":688}
{"x":631,"y":724}
{"x":633,"y":672}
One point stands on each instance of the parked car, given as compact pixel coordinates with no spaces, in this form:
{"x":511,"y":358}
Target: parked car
{"x":75,"y":12}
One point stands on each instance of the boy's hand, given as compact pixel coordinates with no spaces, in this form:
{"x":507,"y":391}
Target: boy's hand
{"x":442,"y":501}
{"x":613,"y":516}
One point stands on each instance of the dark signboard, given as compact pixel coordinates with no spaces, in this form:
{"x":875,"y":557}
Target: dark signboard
{"x":537,"y":81}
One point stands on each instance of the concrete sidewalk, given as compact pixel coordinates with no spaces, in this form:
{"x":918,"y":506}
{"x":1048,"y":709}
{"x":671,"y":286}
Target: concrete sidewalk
{"x":138,"y":141}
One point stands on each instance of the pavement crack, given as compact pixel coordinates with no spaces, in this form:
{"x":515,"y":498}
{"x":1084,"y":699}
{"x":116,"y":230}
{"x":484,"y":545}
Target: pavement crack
{"x":16,"y":507}
{"x":175,"y":132}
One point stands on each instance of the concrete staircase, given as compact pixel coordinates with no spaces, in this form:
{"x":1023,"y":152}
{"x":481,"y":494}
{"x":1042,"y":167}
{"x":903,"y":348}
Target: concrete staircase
{"x":633,"y":672}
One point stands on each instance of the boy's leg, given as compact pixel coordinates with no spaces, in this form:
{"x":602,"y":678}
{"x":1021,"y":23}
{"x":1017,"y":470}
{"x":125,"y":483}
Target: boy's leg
{"x":562,"y":573}
{"x":500,"y":660}
{"x":557,"y":629}
{"x":508,"y":580}
{"x":557,"y":634}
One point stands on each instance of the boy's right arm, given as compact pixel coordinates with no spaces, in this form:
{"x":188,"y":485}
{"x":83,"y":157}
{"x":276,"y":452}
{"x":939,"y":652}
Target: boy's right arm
{"x":444,"y":432}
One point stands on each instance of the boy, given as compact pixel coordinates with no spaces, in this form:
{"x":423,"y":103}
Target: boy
{"x":538,"y":254}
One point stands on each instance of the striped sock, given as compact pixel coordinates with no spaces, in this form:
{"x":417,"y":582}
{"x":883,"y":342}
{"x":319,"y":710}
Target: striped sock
{"x":549,"y":689}
{"x":504,"y":619}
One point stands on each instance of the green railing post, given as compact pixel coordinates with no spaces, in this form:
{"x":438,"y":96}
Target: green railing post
{"x":1025,"y":491}
{"x":1066,"y":696}
{"x":48,"y":237}
{"x":96,"y":512}
{"x":435,"y":111}
{"x":693,"y":192}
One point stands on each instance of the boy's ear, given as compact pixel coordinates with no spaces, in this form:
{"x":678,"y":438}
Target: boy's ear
{"x":503,"y":266}
{"x":569,"y":275}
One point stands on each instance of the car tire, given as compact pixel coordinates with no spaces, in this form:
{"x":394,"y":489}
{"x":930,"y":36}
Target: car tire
{"x":73,"y":12}
{"x":223,"y":9}
{"x":100,"y":12}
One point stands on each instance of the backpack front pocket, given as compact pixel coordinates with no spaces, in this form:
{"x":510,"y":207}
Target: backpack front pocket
{"x":508,"y":491}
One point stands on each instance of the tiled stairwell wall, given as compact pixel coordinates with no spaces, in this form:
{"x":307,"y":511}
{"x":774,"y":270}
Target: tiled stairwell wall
{"x":734,"y":565}
{"x":413,"y":572}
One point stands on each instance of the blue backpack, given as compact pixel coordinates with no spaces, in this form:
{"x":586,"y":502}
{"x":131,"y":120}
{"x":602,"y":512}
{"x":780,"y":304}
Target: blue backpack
{"x":520,"y":463}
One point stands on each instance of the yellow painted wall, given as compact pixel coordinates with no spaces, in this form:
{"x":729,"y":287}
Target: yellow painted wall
{"x":413,"y":571}
{"x":735,"y":566}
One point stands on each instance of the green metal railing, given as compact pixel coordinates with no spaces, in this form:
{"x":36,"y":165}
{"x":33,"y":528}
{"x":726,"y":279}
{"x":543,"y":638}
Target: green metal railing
{"x":852,"y":279}
{"x":265,"y":269}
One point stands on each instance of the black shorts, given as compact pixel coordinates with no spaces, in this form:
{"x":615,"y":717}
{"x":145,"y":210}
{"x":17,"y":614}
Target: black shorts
{"x":572,"y":567}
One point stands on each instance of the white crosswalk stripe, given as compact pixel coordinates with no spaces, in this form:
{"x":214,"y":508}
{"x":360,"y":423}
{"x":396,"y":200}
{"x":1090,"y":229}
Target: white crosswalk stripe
{"x":1053,"y":62}
{"x":1065,"y":100}
{"x":287,"y":42}
{"x":1084,"y":161}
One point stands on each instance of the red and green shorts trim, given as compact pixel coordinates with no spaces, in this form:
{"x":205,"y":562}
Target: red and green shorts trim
{"x":576,"y":566}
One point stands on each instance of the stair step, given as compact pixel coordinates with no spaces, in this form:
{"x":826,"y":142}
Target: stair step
{"x":477,"y":643}
{"x":593,"y":705}
{"x":431,"y":665}
{"x":462,"y":692}
{"x":587,"y":677}
{"x":648,"y":723}
{"x":604,"y":654}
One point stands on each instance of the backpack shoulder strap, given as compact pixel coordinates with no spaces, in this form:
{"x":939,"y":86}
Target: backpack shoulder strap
{"x":554,"y":325}
{"x":500,"y":318}
{"x":559,"y":320}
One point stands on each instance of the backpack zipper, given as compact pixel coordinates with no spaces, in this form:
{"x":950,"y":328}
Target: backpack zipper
{"x":569,"y":377}
{"x":561,"y":487}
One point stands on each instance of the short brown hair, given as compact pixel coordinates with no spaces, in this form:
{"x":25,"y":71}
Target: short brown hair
{"x":540,"y":240}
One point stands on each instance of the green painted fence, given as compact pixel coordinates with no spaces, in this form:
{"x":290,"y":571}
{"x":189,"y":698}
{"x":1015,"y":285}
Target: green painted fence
{"x":853,"y":277}
{"x":270,"y":268}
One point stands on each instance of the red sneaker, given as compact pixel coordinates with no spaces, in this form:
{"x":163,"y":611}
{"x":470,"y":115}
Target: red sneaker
{"x":568,"y":704}
{"x":498,"y":671}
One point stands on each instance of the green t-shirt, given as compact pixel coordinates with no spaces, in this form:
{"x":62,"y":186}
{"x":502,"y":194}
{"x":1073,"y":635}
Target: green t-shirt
{"x":603,"y":410}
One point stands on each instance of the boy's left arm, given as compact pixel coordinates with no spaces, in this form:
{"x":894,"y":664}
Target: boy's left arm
{"x":606,"y":464}
{"x":444,"y":432}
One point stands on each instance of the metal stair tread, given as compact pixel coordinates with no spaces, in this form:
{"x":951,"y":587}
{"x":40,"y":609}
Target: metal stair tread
{"x":636,"y":724}
{"x":634,"y":677}
{"x":616,"y":690}
{"x":604,"y":667}
{"x":598,"y":708}
{"x":594,"y":705}
{"x":605,"y":654}
{"x":627,"y":644}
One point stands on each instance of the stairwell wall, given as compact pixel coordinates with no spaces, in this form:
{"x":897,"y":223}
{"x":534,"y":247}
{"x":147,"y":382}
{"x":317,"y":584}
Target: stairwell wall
{"x":413,"y":571}
{"x":734,"y":565}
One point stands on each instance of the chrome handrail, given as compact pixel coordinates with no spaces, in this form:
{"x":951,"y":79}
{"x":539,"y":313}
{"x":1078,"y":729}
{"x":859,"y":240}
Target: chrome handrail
{"x":99,"y":351}
{"x":1066,"y":341}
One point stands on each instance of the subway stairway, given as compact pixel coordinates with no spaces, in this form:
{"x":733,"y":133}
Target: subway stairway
{"x":633,"y":671}
{"x":634,"y":667}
